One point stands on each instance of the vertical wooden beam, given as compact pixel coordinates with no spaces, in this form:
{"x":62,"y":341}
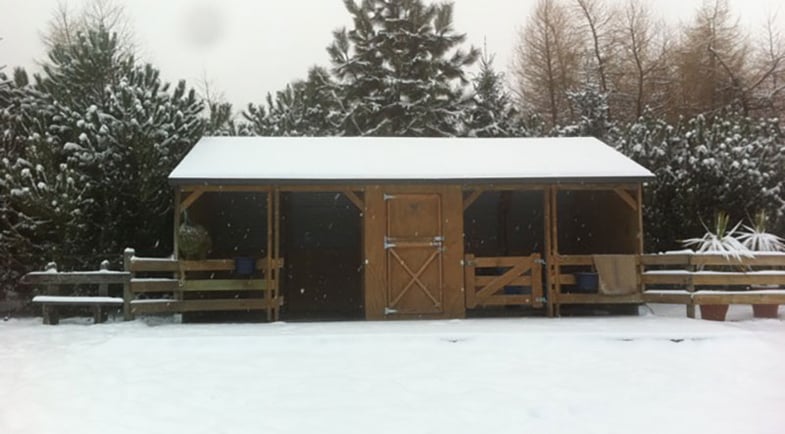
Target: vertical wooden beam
{"x":452,"y":254}
{"x":269,"y":254}
{"x":374,"y":290}
{"x":548,"y":250}
{"x":640,"y":218}
{"x":128,"y":255}
{"x":469,"y":286}
{"x":555,"y":248}
{"x":639,"y":267}
{"x":537,"y":291}
{"x":175,"y":243}
{"x":691,"y":288}
{"x":277,"y":254}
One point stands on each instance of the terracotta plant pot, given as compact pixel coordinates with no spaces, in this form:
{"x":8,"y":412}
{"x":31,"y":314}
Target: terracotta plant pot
{"x":714,"y":312}
{"x":765,"y":310}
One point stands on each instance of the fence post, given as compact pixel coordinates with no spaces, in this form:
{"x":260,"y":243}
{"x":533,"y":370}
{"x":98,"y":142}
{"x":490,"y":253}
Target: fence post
{"x":469,"y":286}
{"x":128,"y":255}
{"x":691,"y":288}
{"x":103,"y":288}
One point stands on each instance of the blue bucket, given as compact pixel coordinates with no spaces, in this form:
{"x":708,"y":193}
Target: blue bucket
{"x":587,"y":281}
{"x":244,"y":266}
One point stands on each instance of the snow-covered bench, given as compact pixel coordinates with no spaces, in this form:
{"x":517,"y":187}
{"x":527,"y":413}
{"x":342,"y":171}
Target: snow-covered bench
{"x":50,"y":303}
{"x":51,"y":280}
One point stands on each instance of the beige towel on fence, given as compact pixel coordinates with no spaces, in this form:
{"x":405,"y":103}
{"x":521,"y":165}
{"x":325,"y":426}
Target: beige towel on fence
{"x":618,"y":274}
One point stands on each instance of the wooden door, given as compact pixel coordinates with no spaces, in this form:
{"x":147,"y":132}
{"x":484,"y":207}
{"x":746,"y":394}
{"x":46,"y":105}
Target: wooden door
{"x":414,"y":246}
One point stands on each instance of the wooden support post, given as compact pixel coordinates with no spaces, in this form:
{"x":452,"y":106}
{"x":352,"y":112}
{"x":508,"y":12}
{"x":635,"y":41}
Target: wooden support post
{"x":547,"y":254}
{"x":175,"y":243}
{"x":51,"y":316}
{"x":639,"y":210}
{"x":468,"y":281}
{"x":128,"y":255}
{"x":691,"y":289}
{"x":103,"y":288}
{"x":556,"y":268}
{"x":277,"y":254}
{"x":97,"y":315}
{"x":536,"y":277}
{"x":269,"y":269}
{"x":640,"y":219}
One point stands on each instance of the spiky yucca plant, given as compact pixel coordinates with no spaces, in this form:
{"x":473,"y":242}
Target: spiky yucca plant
{"x":720,"y":239}
{"x":756,"y":237}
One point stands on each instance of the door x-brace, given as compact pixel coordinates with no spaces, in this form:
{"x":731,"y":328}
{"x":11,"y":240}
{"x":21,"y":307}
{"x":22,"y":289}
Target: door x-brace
{"x":415,"y":277}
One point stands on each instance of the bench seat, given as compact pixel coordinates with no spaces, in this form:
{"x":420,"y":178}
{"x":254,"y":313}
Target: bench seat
{"x":50,"y":303}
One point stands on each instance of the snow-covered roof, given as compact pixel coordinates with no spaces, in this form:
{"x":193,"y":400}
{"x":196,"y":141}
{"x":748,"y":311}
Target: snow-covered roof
{"x":258,"y":160}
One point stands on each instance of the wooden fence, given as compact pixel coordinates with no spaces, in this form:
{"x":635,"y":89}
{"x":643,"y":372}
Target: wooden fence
{"x":503,"y":281}
{"x":695,"y":279}
{"x":161,"y":285}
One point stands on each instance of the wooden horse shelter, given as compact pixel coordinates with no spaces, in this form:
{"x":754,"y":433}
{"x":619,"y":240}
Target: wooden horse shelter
{"x":382,"y":228}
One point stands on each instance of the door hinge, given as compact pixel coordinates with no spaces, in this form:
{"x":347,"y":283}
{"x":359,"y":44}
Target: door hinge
{"x":388,"y":196}
{"x":540,"y":261}
{"x":390,"y":311}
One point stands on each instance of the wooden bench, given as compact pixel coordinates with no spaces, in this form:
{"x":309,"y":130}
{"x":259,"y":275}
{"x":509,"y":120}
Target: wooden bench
{"x":50,"y":303}
{"x":688,"y":278}
{"x":52,"y":280}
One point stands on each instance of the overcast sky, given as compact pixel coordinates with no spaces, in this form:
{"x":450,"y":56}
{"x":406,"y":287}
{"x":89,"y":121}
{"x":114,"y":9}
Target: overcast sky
{"x":247,"y":48}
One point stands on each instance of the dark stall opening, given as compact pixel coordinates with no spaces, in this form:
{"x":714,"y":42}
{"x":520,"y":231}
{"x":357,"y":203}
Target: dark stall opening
{"x":321,"y":245}
{"x":505,"y":223}
{"x":237,"y":226}
{"x":595,"y":222}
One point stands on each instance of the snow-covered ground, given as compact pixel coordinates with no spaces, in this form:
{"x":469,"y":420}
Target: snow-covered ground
{"x":658,"y":373}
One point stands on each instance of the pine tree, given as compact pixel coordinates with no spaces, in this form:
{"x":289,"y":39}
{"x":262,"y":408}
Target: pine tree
{"x":492,"y":113}
{"x":78,"y":73}
{"x":126,"y":149}
{"x":400,"y":69}
{"x":590,"y":106}
{"x":308,"y":107}
{"x":85,"y":165}
{"x":42,"y":201}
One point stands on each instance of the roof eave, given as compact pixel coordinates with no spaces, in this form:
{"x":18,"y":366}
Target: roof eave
{"x":345,"y":181}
